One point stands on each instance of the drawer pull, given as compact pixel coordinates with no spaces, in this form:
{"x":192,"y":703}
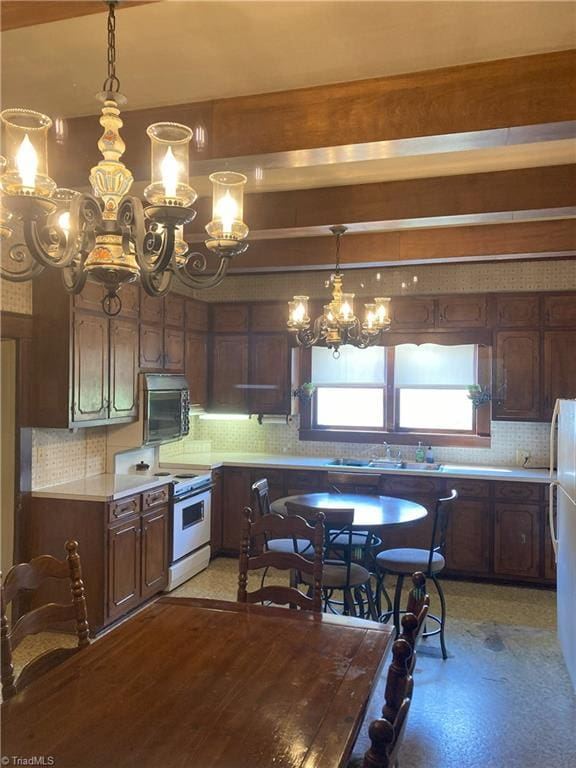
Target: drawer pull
{"x":523,"y":538}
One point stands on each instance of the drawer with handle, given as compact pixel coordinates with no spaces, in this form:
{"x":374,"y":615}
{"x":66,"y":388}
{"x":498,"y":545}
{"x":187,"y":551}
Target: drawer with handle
{"x":518,"y":491}
{"x":475,"y":489}
{"x":156,"y":497}
{"x":123,"y":508}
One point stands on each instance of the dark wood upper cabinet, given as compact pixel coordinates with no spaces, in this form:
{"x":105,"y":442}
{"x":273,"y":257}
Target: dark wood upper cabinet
{"x":124,"y":341}
{"x":517,"y":310}
{"x":174,"y":350}
{"x":151,"y":347}
{"x":466,"y":311}
{"x":229,"y":318}
{"x":130,"y":298}
{"x":229,"y":373}
{"x":196,"y":315}
{"x":90,"y":397}
{"x":516,"y":380}
{"x":560,"y":310}
{"x":268,"y":316}
{"x":90,"y":297}
{"x":269,"y":391}
{"x":196,"y":367}
{"x":412,"y":313}
{"x":174,"y":310}
{"x":151,"y":308}
{"x":517,"y":540}
{"x":559,"y":366}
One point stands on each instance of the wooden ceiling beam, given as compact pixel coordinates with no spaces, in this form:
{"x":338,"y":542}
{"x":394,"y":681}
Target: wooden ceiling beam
{"x":15,"y":14}
{"x":484,"y":243}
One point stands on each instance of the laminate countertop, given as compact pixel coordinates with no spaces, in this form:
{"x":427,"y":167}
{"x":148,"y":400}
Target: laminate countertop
{"x":100,"y":488}
{"x":206,"y":461}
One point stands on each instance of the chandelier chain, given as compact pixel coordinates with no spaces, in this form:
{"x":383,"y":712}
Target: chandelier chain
{"x":112,"y":83}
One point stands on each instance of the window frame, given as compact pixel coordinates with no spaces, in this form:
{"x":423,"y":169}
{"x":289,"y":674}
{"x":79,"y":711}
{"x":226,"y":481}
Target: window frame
{"x":310,"y":431}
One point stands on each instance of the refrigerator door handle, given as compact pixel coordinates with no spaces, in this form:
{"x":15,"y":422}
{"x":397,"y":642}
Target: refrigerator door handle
{"x":553,"y":487}
{"x":553,"y":435}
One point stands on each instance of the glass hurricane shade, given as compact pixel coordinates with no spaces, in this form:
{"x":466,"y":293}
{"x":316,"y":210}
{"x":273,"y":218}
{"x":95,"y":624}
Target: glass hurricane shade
{"x":382,"y":311}
{"x":227,"y":206}
{"x":298,"y":312}
{"x":25,"y":144}
{"x":169,"y":162}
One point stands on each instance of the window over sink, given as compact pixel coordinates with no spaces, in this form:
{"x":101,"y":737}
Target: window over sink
{"x":400,"y":394}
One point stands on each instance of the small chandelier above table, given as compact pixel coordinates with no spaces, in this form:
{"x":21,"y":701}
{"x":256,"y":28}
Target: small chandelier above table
{"x":109,"y":235}
{"x":338,"y":325}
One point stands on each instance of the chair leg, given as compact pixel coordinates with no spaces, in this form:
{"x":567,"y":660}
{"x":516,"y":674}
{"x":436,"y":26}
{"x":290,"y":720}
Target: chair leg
{"x":442,"y":616}
{"x":349,"y":607}
{"x":359,"y":601}
{"x":373,"y":613}
{"x":381,"y":589}
{"x":397,"y":598}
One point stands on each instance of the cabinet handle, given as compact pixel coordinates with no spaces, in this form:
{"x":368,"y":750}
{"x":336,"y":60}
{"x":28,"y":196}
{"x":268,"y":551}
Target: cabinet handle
{"x":523,"y":538}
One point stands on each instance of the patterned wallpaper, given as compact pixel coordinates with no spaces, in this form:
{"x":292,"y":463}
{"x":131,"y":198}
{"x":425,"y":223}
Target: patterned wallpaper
{"x":59,"y":455}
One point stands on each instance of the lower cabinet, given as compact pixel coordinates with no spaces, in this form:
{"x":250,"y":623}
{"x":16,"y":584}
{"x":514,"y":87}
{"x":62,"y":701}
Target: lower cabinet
{"x":124,"y":563}
{"x":469,"y":537}
{"x":154,"y":538}
{"x":517,"y":540}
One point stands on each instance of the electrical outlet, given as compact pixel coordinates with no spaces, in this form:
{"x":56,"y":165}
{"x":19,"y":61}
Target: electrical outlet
{"x":522,"y":457}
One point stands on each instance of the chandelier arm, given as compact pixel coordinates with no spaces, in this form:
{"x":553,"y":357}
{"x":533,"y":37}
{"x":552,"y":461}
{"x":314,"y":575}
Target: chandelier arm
{"x":206,"y":281}
{"x":74,"y":277}
{"x":156,"y":284}
{"x":19,"y":253}
{"x":154,"y":249}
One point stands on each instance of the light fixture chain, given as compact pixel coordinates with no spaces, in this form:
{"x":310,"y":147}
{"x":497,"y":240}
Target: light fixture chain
{"x":112,"y":83}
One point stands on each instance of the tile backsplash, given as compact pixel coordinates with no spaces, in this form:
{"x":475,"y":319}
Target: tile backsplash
{"x":59,"y":455}
{"x":250,"y":437}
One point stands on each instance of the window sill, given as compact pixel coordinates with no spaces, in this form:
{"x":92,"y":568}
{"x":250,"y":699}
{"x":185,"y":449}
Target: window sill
{"x":396,"y":438}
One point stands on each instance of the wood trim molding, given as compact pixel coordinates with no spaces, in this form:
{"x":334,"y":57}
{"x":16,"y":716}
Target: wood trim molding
{"x":16,"y":14}
{"x":15,"y":325}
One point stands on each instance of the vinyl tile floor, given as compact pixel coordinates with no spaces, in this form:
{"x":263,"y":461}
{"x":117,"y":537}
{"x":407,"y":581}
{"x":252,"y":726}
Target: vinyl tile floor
{"x":502,"y":699}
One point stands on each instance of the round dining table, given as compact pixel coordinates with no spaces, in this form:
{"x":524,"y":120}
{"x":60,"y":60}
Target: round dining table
{"x":369,"y":511}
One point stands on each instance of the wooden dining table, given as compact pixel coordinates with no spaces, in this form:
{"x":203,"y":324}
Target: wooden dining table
{"x":369,"y":511}
{"x":194,"y":683}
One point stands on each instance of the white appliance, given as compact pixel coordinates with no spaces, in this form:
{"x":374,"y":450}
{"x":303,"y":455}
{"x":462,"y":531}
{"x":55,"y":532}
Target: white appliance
{"x":190,"y":512}
{"x":564,"y":532}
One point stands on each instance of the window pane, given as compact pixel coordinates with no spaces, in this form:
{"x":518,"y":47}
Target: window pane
{"x":355,"y":366}
{"x":446,"y":409}
{"x":354,"y":407}
{"x":432,"y":365}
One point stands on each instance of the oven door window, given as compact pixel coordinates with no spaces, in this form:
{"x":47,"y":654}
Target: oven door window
{"x":192,"y":514}
{"x":164,"y":415}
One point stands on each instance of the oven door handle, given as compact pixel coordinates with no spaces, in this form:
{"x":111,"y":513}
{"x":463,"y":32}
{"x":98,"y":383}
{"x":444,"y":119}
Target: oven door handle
{"x":195,"y":492}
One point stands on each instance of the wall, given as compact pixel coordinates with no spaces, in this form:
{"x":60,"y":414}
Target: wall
{"x":59,"y":455}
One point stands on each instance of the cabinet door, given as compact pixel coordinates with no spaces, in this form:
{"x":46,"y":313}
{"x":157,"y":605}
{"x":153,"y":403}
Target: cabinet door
{"x":517,"y":310}
{"x":268,"y":317}
{"x":517,"y":375}
{"x":229,"y":374}
{"x":517,"y":540}
{"x":462,"y":312}
{"x":196,"y":315}
{"x":229,"y":318}
{"x":236,"y":496}
{"x":269,"y":374}
{"x":196,"y":367}
{"x":90,"y":297}
{"x":560,"y":310}
{"x":412,"y":313}
{"x":151,"y":347}
{"x":151,"y":308}
{"x":468,"y":543}
{"x":123,"y":368}
{"x":124,"y":559}
{"x":559,"y":368}
{"x":154,"y":551}
{"x":216,"y":512}
{"x":174,"y":350}
{"x":90,"y":384}
{"x":130,"y":296}
{"x":174,"y":310}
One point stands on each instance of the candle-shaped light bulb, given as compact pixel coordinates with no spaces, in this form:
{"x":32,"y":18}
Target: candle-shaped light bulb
{"x":299,"y":313}
{"x":27,"y":163}
{"x":227,"y":211}
{"x":64,"y":222}
{"x":170,"y":173}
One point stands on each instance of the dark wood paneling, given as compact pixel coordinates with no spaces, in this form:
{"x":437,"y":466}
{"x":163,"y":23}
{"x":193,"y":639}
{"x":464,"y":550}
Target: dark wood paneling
{"x":269,"y":367}
{"x":196,"y":315}
{"x":462,"y":311}
{"x":124,"y":362}
{"x":517,"y":375}
{"x":229,"y":373}
{"x":154,"y":551}
{"x":124,"y":563}
{"x":517,"y":492}
{"x":412,"y":313}
{"x":236,"y":496}
{"x":196,"y":367}
{"x":174,"y":350}
{"x":174,"y":308}
{"x":469,"y":539}
{"x":130,"y":296}
{"x":560,"y":310}
{"x":91,"y":392}
{"x":517,"y":310}
{"x":517,"y":540}
{"x":269,"y":316}
{"x":151,"y":347}
{"x":151,"y":308}
{"x":229,"y":318}
{"x":559,"y":366}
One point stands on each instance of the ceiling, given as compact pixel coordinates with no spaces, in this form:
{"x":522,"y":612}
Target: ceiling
{"x":174,"y":52}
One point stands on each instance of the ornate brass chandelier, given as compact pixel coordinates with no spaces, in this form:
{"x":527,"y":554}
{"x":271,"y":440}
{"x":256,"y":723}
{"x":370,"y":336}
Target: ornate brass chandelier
{"x":109,"y":235}
{"x":338,"y":325}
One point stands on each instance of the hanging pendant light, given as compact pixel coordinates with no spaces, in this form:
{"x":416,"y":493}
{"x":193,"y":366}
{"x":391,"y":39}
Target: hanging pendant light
{"x":338,"y":325}
{"x":110,"y":236}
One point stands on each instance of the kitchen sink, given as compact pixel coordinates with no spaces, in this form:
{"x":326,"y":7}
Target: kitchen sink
{"x":385,"y":464}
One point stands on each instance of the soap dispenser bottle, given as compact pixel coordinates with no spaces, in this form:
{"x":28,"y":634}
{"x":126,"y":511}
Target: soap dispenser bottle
{"x":429,"y":455}
{"x":420,"y":453}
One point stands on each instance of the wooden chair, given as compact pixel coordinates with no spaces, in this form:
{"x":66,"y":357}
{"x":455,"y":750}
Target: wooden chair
{"x":414,"y":620}
{"x":405,"y":561}
{"x":261,"y":502}
{"x":278,"y":526}
{"x":29,"y":576}
{"x":387,"y":732}
{"x":351,"y":578}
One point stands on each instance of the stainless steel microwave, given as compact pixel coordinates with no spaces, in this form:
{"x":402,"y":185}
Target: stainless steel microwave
{"x":166,"y":402}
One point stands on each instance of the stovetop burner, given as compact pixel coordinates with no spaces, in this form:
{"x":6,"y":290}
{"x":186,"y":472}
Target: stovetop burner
{"x":161,"y":474}
{"x":184,"y":477}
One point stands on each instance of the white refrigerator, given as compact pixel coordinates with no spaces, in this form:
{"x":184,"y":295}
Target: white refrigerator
{"x":563,"y":488}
